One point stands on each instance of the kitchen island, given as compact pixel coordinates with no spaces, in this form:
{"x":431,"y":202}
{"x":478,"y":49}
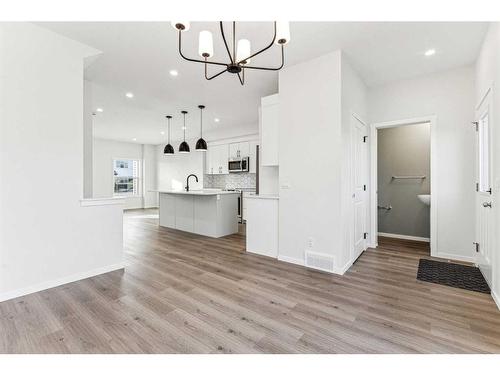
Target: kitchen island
{"x":209,"y":212}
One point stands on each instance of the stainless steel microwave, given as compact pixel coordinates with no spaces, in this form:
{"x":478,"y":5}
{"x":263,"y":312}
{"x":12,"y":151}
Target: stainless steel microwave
{"x":238,"y":165}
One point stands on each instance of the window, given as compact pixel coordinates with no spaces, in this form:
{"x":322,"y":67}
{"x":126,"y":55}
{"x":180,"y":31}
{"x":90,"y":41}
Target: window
{"x":484,"y":153}
{"x":126,"y":176}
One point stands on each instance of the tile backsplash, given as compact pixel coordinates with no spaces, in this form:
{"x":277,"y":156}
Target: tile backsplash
{"x":231,"y":180}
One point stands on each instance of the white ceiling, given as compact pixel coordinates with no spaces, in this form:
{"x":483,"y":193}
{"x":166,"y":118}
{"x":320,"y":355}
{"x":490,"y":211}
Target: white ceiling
{"x":137,"y":57}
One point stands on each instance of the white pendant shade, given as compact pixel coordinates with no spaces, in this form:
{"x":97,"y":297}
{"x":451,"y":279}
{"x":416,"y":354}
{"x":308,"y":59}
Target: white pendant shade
{"x":243,"y":50}
{"x":206,"y":44}
{"x":282,"y":32}
{"x":185,"y":23}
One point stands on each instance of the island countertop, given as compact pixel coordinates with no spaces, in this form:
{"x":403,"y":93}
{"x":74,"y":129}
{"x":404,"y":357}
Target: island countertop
{"x":198,"y":192}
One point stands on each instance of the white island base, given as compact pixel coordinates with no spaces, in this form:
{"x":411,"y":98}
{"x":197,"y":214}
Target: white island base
{"x":206,"y":212}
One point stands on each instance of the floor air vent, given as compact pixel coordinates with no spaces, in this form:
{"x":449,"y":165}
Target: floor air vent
{"x":319,"y":261}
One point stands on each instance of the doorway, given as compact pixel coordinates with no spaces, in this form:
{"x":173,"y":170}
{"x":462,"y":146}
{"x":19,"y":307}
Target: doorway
{"x":402,"y":179}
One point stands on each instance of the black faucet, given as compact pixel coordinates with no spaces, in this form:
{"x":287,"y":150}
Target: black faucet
{"x":187,"y":181}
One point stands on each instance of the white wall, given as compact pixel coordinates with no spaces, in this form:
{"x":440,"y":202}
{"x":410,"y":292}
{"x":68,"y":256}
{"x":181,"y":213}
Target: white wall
{"x":46,"y":237}
{"x":310,"y":158}
{"x":173,"y":169}
{"x":487,"y":76}
{"x":223,"y":132}
{"x":150,"y":177}
{"x":353,"y":102}
{"x":449,"y":96}
{"x":88,"y":139}
{"x":105,"y":151}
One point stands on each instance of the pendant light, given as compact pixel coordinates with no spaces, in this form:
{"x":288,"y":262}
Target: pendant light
{"x":169,"y":150}
{"x":184,"y":147}
{"x":201,"y":145}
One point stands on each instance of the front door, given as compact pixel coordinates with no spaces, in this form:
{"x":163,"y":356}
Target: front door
{"x":484,"y":205}
{"x":360,"y":180}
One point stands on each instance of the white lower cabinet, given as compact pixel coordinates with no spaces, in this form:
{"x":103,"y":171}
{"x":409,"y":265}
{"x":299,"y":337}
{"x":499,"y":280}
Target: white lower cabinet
{"x":184,"y":212}
{"x":262,"y":225}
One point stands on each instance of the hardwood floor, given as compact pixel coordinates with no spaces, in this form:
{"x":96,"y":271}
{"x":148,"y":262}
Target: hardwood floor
{"x":183,"y":293}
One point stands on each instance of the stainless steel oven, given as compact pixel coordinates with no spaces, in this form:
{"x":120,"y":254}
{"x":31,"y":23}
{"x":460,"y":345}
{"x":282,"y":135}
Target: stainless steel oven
{"x":238,"y":165}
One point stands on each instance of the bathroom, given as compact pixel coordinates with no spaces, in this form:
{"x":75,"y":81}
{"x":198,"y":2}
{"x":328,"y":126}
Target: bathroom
{"x":404,"y":183}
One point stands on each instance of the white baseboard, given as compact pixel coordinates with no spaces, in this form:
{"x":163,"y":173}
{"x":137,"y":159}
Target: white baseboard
{"x":496,"y":298}
{"x":284,"y":258}
{"x":460,"y":258}
{"x":63,"y":280}
{"x":344,"y":269}
{"x":404,"y":237}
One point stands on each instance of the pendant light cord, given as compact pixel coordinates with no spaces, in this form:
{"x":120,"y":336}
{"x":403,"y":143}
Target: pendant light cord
{"x":184,"y":127}
{"x":201,"y":122}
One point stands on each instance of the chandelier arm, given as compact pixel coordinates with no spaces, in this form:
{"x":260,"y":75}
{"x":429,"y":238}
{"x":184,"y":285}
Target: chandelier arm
{"x":242,"y":81}
{"x":263,"y":49}
{"x":195,"y":60}
{"x":225,"y":42}
{"x":215,"y":75}
{"x":263,"y":68}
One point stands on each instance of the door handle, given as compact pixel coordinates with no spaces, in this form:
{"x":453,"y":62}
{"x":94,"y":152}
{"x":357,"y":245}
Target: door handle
{"x":487,"y":204}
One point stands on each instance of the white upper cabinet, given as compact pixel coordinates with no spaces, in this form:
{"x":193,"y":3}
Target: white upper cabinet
{"x":269,"y":130}
{"x":239,"y":150}
{"x":217,"y":159}
{"x":223,"y":158}
{"x":217,"y":156}
{"x":233,"y":150}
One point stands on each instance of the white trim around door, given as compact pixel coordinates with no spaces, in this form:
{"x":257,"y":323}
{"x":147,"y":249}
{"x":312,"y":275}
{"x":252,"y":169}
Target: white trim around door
{"x":432,"y":119}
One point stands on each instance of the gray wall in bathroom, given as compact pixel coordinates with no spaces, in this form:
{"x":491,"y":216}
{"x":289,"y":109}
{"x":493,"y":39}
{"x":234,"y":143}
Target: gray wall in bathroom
{"x":404,"y":151}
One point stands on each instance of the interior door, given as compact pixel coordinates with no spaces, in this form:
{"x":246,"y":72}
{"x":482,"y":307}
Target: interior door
{"x":360,"y":184}
{"x":484,"y":205}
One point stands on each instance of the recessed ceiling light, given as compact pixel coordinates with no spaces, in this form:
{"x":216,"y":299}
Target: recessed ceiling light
{"x":134,"y":139}
{"x":129,"y":95}
{"x":430,"y":52}
{"x":183,"y":128}
{"x":100,"y":110}
{"x":216,"y":119}
{"x":162,"y":133}
{"x":174,"y":73}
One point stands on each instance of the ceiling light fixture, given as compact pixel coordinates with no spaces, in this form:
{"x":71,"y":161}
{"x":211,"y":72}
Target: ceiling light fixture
{"x":134,"y":139}
{"x":100,"y":110}
{"x":174,"y":73}
{"x":169,"y":150}
{"x":129,"y":95}
{"x":201,"y":145}
{"x":184,"y":147}
{"x":430,"y":52}
{"x":240,"y":55}
{"x":216,"y":119}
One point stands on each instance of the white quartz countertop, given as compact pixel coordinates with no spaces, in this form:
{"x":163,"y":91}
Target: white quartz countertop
{"x":198,"y":192}
{"x":262,"y":196}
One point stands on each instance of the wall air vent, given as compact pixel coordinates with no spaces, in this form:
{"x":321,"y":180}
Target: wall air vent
{"x":320,"y":261}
